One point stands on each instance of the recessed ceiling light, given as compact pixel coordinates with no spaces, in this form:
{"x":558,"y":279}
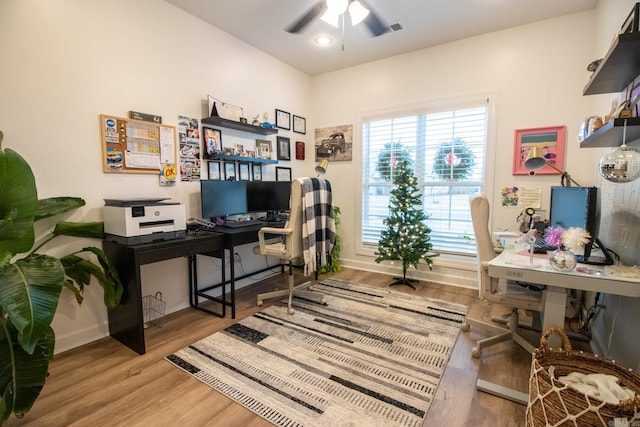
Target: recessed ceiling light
{"x":323,"y":40}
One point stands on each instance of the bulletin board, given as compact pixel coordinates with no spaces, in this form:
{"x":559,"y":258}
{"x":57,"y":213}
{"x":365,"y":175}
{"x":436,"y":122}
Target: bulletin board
{"x":135,"y":146}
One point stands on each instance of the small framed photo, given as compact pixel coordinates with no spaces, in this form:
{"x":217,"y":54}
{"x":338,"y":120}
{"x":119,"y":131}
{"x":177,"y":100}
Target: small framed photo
{"x":243,"y":171}
{"x":299,"y":124}
{"x":263,"y":149}
{"x":549,"y":140}
{"x":212,"y":142}
{"x":283,"y":174}
{"x":229,"y":171}
{"x":283,"y":119}
{"x":257,"y":172}
{"x":214,"y":170}
{"x":284,"y":148}
{"x":299,"y":150}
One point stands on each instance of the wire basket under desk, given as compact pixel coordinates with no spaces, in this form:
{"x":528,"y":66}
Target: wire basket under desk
{"x":153,"y":309}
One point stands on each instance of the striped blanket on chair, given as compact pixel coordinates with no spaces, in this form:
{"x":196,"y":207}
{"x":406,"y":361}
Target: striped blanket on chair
{"x":318,"y":225}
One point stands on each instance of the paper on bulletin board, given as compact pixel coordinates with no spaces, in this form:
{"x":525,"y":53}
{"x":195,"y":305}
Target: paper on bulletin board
{"x":526,"y":196}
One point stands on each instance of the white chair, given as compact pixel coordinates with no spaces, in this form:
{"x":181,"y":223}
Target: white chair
{"x":499,"y":291}
{"x":292,"y":247}
{"x":495,"y":290}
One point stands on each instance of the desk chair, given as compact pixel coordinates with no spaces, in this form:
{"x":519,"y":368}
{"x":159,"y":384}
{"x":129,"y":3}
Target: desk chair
{"x":306,"y":239}
{"x":500,"y":291}
{"x":495,"y":290}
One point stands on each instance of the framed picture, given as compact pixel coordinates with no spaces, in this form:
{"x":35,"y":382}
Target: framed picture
{"x":283,"y":174}
{"x":283,"y":119}
{"x":212,"y":142}
{"x":243,"y":171}
{"x":214,"y":170}
{"x":299,"y":150}
{"x":299,"y":124}
{"x":257,"y":172}
{"x":263,"y":149}
{"x":229,"y":171}
{"x":284,"y":148}
{"x":550,"y":140}
{"x":334,"y":143}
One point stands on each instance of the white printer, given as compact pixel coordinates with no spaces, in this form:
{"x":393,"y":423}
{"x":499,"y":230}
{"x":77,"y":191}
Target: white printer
{"x":135,"y":221}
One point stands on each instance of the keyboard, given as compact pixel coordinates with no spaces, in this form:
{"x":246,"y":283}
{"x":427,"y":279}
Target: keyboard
{"x":541,"y":245}
{"x":238,"y":224}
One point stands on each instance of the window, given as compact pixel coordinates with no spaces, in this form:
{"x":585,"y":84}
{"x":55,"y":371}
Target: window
{"x":447,"y":150}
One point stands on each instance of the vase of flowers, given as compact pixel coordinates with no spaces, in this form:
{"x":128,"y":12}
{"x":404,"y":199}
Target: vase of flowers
{"x":566,"y":241}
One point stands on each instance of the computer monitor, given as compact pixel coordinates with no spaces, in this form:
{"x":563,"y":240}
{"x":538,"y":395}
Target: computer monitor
{"x":575,"y":207}
{"x":268,"y":196}
{"x":222,"y":198}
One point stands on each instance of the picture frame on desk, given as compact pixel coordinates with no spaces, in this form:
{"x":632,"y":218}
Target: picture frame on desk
{"x":229,"y":171}
{"x":243,"y":171}
{"x":283,"y":174}
{"x":214,"y":170}
{"x":549,"y":139}
{"x":284,"y":148}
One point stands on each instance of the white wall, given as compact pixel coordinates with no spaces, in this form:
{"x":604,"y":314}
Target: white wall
{"x":535,"y":73}
{"x":614,"y":332}
{"x":64,"y":62}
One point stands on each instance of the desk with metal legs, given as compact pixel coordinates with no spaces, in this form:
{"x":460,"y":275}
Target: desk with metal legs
{"x":232,"y":237}
{"x":510,"y":266}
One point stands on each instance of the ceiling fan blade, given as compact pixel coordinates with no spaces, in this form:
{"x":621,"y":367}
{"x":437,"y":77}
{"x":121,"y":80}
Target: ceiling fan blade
{"x":376,"y":26}
{"x":306,"y":19}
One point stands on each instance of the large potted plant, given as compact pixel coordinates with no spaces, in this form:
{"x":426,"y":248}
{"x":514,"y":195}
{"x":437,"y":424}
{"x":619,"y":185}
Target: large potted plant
{"x":31,"y":281}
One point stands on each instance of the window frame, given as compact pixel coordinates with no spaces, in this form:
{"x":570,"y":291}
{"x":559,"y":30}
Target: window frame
{"x":421,"y":108}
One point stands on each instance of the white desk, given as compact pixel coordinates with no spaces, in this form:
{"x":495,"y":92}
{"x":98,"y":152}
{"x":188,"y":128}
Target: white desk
{"x":509,"y":266}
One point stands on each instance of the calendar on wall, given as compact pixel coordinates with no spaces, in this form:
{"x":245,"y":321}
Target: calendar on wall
{"x":135,"y":146}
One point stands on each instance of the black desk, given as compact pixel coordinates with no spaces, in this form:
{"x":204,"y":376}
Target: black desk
{"x":126,"y":321}
{"x":234,"y":237}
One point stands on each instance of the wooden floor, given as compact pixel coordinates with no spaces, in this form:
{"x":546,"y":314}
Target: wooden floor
{"x":106,"y":384}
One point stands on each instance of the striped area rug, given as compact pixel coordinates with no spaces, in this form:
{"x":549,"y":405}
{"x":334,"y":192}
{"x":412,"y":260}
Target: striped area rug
{"x":369,"y":357}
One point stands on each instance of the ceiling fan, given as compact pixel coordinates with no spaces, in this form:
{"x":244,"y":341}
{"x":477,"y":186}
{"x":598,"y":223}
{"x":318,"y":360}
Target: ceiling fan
{"x":330,"y":11}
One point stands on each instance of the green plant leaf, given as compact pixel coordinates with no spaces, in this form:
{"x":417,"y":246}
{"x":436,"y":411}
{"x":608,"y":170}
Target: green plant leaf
{"x":81,"y":270}
{"x":30,"y":291}
{"x":56,"y":206}
{"x":94,"y":230}
{"x":18,"y":204}
{"x":22,"y":375}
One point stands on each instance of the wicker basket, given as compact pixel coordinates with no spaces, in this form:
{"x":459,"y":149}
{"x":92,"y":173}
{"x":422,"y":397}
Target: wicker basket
{"x":553,"y":403}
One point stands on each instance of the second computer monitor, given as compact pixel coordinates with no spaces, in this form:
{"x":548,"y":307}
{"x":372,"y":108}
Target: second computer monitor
{"x":575,"y":207}
{"x":268,"y":196}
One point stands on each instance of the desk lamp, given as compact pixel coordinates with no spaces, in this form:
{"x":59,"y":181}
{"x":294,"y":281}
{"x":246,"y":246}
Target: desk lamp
{"x":321,"y":168}
{"x":535,"y":160}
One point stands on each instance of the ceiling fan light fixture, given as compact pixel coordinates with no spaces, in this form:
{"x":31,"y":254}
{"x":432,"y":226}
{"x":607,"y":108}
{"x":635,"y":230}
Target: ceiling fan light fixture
{"x":337,"y":7}
{"x":331,"y":19}
{"x":357,"y":12}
